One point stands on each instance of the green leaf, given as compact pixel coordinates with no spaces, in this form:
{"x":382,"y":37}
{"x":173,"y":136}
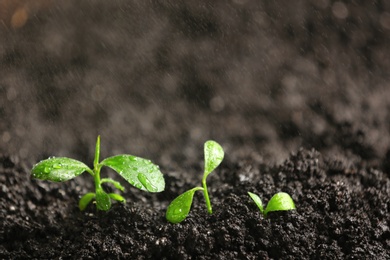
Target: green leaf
{"x":103,"y":201}
{"x":115,"y":183}
{"x":141,"y":173}
{"x":280,"y":201}
{"x":213,"y":156}
{"x":117,"y":197}
{"x":180,"y":207}
{"x":85,"y":200}
{"x":258,"y":201}
{"x":58,"y":169}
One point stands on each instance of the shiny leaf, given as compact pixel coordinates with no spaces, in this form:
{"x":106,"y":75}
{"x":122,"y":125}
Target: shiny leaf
{"x":141,"y":173}
{"x":213,"y":156}
{"x":85,"y":200}
{"x":280,"y":201}
{"x":180,"y":207}
{"x":58,"y":169}
{"x":103,"y":201}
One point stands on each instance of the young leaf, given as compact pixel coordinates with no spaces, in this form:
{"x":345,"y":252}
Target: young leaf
{"x":58,"y":169}
{"x":213,"y":156}
{"x":85,"y":200}
{"x":115,"y":183}
{"x":133,"y":168}
{"x":103,"y":201}
{"x":180,"y":207}
{"x":117,"y":197}
{"x":280,"y":201}
{"x":258,"y":201}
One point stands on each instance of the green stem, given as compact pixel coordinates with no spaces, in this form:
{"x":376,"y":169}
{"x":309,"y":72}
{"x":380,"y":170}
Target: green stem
{"x":96,"y":177}
{"x":97,"y":153}
{"x":206,"y":195}
{"x":96,"y":166}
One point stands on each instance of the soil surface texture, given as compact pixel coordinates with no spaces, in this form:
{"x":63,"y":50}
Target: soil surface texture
{"x":296,"y":92}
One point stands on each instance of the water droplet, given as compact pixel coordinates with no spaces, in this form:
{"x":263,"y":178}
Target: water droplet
{"x":46,"y":169}
{"x":177,"y":211}
{"x":57,"y":166}
{"x":133,"y":158}
{"x":135,"y":169}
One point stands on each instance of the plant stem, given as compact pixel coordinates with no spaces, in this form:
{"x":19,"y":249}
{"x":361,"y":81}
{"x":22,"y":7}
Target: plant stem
{"x":97,"y":153}
{"x":206,"y":195}
{"x":96,"y":166}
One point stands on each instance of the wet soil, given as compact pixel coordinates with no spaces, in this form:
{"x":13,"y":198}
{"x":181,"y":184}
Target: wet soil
{"x":296,"y":93}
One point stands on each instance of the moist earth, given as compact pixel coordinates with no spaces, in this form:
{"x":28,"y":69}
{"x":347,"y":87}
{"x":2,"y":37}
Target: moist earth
{"x":296,"y":93}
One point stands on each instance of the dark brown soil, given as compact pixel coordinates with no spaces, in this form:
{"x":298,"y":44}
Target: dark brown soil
{"x":157,"y":79}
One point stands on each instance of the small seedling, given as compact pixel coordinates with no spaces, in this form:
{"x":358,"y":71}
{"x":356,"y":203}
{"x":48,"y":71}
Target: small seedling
{"x":280,"y":201}
{"x":180,"y":207}
{"x":141,"y":173}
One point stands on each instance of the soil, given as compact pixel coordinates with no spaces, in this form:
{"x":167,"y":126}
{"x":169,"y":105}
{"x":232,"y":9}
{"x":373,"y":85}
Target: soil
{"x":296,"y":93}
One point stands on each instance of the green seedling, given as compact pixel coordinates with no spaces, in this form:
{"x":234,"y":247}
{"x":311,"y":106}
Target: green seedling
{"x":141,"y":173}
{"x":280,"y":201}
{"x":180,"y":207}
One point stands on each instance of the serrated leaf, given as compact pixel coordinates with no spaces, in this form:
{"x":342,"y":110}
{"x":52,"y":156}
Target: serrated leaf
{"x":103,"y":200}
{"x":180,"y":207}
{"x":213,"y":156}
{"x":58,"y":169}
{"x":139,"y":172}
{"x":257,"y":201}
{"x":280,"y":201}
{"x":85,"y":200}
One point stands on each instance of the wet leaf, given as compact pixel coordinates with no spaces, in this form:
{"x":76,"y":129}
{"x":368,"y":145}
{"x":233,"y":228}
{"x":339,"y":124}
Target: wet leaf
{"x":103,"y":201}
{"x":280,"y":201}
{"x":85,"y":200}
{"x":58,"y":169}
{"x":141,"y":173}
{"x":258,"y":201}
{"x":180,"y":207}
{"x":213,"y":156}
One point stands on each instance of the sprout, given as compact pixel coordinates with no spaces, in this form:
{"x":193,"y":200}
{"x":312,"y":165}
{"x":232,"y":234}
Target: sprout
{"x":280,"y":201}
{"x":180,"y":207}
{"x":139,"y":172}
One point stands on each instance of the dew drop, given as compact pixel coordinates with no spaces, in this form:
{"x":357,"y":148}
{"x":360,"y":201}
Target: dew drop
{"x":177,"y":211}
{"x":46,"y":169}
{"x":57,"y":166}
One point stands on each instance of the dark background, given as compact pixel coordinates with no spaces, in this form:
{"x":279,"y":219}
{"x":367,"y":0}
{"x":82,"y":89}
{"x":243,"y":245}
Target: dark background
{"x":158,"y":78}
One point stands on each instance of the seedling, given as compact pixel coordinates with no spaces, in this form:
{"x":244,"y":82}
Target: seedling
{"x":280,"y":201}
{"x":180,"y":207}
{"x":141,"y":173}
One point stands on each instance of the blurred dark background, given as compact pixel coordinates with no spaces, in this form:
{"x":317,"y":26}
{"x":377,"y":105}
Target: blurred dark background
{"x":158,"y":78}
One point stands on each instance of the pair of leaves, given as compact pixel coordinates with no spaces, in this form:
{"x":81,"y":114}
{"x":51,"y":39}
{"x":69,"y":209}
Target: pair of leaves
{"x":103,"y":200}
{"x":279,"y":201}
{"x":180,"y":207}
{"x":139,"y":172}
